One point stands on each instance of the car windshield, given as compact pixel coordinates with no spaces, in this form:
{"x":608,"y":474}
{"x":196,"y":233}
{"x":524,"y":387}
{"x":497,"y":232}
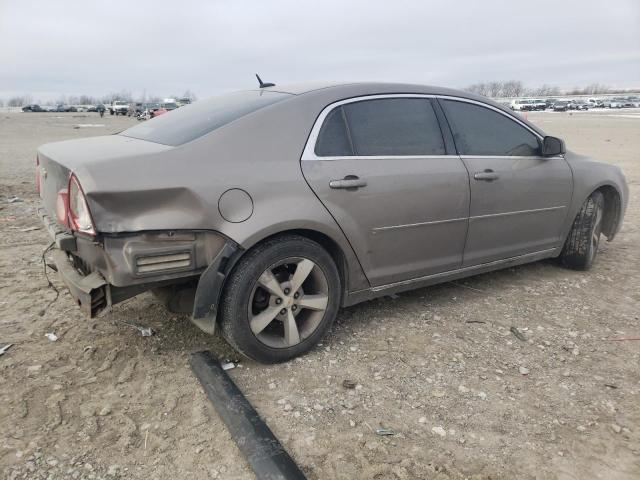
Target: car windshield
{"x":197,"y":119}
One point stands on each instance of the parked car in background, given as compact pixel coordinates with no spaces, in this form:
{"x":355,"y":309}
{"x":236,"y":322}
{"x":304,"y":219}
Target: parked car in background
{"x":169,"y":105}
{"x":92,"y":108}
{"x":561,"y":106}
{"x":626,"y":102}
{"x":521,"y":105}
{"x":549,"y":102}
{"x":634,"y":101}
{"x":152,"y":106}
{"x":33,"y":108}
{"x":579,"y":105}
{"x":119,"y":107}
{"x":538,"y":105}
{"x":183,"y":101}
{"x":262,"y":212}
{"x":135,"y":109}
{"x":158,"y":111}
{"x":613,"y":103}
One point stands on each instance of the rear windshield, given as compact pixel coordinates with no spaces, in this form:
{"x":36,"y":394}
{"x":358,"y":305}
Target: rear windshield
{"x":197,"y":119}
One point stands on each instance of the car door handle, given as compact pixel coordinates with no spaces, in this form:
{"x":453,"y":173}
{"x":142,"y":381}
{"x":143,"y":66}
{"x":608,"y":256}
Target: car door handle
{"x":486,"y":176}
{"x":348,"y":182}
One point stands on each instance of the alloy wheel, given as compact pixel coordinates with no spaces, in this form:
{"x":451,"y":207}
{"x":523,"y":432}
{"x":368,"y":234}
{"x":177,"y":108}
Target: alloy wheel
{"x":288,"y":302}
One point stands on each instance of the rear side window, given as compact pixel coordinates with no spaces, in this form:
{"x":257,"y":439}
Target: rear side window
{"x":333,"y":140}
{"x":481,"y":131}
{"x":197,"y":119}
{"x":394,"y":126}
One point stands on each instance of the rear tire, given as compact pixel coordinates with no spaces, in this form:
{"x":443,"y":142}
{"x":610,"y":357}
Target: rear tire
{"x":280,"y":299}
{"x":581,"y":248}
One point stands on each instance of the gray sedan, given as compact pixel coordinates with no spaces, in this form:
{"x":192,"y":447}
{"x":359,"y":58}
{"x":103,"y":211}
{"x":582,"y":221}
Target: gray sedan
{"x":260,"y":213}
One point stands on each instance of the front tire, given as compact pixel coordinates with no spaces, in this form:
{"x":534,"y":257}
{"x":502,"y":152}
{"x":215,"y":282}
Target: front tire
{"x":581,"y":248}
{"x":280,"y":299}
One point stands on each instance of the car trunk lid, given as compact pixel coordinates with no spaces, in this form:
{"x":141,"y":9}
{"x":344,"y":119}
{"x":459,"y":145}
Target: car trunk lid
{"x":57,"y":161}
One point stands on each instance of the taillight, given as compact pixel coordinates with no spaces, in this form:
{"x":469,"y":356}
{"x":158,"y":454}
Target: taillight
{"x":37,"y":174}
{"x":62,"y":207}
{"x":78,"y":213}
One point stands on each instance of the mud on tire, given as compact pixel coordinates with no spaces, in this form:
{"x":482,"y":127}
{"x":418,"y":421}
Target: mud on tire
{"x":581,"y":246}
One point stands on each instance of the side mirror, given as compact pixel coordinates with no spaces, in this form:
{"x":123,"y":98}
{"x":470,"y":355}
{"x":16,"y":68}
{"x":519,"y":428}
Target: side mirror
{"x":552,"y":146}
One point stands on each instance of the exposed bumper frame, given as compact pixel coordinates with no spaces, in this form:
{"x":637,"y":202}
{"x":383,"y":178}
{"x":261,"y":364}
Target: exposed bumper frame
{"x":90,"y":291}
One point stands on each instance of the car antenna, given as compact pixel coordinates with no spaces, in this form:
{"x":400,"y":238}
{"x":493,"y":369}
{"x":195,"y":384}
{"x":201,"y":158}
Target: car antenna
{"x":262,"y":84}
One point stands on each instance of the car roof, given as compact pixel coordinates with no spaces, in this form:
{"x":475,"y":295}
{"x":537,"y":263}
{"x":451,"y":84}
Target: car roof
{"x":365,"y":88}
{"x":330,"y":92}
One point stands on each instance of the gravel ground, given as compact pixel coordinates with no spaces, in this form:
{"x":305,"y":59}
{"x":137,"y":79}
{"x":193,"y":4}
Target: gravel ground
{"x":439,"y":366}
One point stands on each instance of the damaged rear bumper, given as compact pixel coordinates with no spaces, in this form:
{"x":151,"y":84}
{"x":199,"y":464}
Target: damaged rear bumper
{"x":101,"y":272}
{"x":91,"y":291}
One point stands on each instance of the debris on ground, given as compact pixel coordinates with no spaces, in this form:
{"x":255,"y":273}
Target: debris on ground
{"x":227,"y":365}
{"x":14,"y":199}
{"x":439,"y":431}
{"x":350,"y":384}
{"x":518,"y":334}
{"x":51,"y":336}
{"x":5,"y":348}
{"x":29,"y":229}
{"x":523,"y":370}
{"x":144,"y":331}
{"x":384,"y":432}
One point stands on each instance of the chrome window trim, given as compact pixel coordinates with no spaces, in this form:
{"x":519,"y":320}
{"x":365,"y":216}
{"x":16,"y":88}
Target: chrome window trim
{"x":382,"y":157}
{"x":309,"y":154}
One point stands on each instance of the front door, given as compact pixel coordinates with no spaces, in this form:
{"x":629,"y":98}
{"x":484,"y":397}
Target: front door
{"x":519,"y":199}
{"x":381,"y":169}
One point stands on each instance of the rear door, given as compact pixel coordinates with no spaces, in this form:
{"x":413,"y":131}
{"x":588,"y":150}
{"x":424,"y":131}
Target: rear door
{"x":519,"y":198}
{"x":380,"y":166}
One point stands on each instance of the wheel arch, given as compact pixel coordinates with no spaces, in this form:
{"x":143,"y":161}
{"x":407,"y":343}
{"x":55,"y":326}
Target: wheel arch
{"x":325,"y":241}
{"x":612,"y":209}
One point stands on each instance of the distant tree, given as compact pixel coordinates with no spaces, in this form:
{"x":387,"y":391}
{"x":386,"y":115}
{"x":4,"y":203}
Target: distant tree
{"x":20,"y":101}
{"x":86,"y":100}
{"x":495,"y":89}
{"x":123,"y":95}
{"x":190,"y":95}
{"x":512,"y":88}
{"x":478,"y":89}
{"x":1,"y":103}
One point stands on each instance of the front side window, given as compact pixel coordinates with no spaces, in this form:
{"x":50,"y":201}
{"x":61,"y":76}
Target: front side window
{"x":381,"y":127}
{"x":481,"y":131}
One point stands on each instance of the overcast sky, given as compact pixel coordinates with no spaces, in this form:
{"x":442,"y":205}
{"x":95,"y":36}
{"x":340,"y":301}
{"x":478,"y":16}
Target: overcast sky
{"x":48,"y":48}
